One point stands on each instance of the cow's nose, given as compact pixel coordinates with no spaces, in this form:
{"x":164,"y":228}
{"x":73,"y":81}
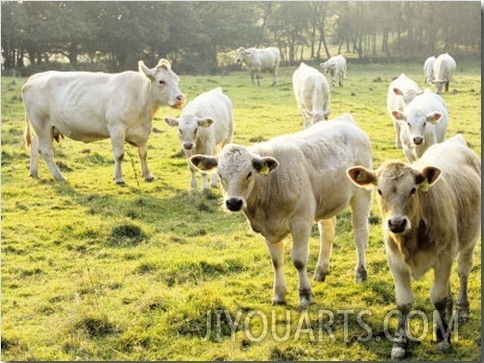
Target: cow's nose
{"x":234,"y":204}
{"x":397,"y":224}
{"x":417,"y":140}
{"x":187,"y":145}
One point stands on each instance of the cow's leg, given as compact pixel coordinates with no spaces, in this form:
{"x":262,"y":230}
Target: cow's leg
{"x":326,"y":233}
{"x":276,"y":251}
{"x":274,"y":73}
{"x":193,"y":177}
{"x":447,"y":86}
{"x":360,"y":211}
{"x":301,"y":232}
{"x":398,"y":142}
{"x":34,"y":157}
{"x":464,"y":266}
{"x":214,"y":180}
{"x":439,"y":296}
{"x":117,"y":142}
{"x":258,"y":78}
{"x":252,"y":76}
{"x":143,"y":152}
{"x":404,"y":300}
{"x":45,"y":149}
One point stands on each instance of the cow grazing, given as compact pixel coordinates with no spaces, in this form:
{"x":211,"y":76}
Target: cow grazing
{"x":422,"y":124}
{"x":428,"y":69}
{"x":401,"y":92}
{"x":87,"y":106}
{"x":336,"y":67}
{"x":431,"y":214}
{"x":286,"y":184}
{"x":205,"y":123}
{"x":443,"y":71}
{"x":259,"y":60}
{"x":312,"y":94}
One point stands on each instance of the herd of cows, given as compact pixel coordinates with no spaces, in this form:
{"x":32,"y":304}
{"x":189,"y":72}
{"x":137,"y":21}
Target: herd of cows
{"x":430,"y":206}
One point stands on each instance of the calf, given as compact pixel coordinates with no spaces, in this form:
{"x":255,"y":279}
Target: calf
{"x":431,"y":214}
{"x":87,"y":106}
{"x":401,"y":92}
{"x":443,"y":71}
{"x":286,"y":184}
{"x":311,"y":90}
{"x":336,"y":67}
{"x":259,"y":60}
{"x":205,"y":123}
{"x":422,"y":124}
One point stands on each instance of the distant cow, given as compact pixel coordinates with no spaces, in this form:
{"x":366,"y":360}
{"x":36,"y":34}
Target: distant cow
{"x":311,"y":90}
{"x":422,"y":124}
{"x":428,"y":69}
{"x":206,"y":122}
{"x":259,"y":60}
{"x":336,"y":67}
{"x":286,"y":184}
{"x":401,"y":92}
{"x":87,"y":106}
{"x":443,"y":71}
{"x":431,"y":214}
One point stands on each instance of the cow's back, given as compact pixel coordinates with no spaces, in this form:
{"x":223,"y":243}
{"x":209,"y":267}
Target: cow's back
{"x":313,"y":164}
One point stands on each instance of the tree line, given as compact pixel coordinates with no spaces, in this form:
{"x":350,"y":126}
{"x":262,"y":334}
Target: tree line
{"x":197,"y":36}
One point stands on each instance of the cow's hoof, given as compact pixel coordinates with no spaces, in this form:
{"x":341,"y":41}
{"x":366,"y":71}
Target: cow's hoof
{"x":320,"y":275}
{"x":150,"y":178}
{"x":361,"y":274}
{"x":398,"y":353}
{"x":278,"y":302}
{"x":304,"y":304}
{"x":444,"y":346}
{"x":121,"y":183}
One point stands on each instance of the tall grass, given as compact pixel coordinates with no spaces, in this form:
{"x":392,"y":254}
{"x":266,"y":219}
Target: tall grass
{"x":94,"y":271}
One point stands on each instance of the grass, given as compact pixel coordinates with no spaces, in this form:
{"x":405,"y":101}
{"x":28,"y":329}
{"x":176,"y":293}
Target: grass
{"x":94,"y":271}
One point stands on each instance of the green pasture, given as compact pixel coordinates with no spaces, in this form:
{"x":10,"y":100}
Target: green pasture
{"x":95,"y":271}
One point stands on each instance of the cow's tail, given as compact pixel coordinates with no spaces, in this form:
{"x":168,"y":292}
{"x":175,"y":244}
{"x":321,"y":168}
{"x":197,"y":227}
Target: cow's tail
{"x":27,"y":133}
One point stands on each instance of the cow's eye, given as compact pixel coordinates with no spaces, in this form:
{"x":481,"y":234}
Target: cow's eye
{"x":412,"y":192}
{"x":409,"y":124}
{"x":196,"y":130}
{"x":379,"y":192}
{"x":162,"y":82}
{"x":425,"y":124}
{"x":249,"y":175}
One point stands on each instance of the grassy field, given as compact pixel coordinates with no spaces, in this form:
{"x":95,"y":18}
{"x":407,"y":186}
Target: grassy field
{"x":95,"y":271}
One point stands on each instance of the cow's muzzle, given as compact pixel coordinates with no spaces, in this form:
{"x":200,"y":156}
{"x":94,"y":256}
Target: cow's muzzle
{"x":180,"y":102}
{"x":418,"y":140}
{"x":397,"y":224}
{"x":234,"y":204}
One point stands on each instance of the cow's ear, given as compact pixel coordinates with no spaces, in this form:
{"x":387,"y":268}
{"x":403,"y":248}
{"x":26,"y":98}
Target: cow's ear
{"x":362,"y":177}
{"x":427,"y":178}
{"x":204,"y":162}
{"x":146,"y":71}
{"x":164,"y":63}
{"x":434,"y":117}
{"x":399,"y":116}
{"x":171,"y":121}
{"x":397,"y":91}
{"x":205,"y":121}
{"x":265,"y":165}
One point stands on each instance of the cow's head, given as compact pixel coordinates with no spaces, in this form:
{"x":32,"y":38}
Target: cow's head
{"x":438,"y":86}
{"x":238,"y":169}
{"x":242,"y":55}
{"x":189,"y":127}
{"x":164,"y":84}
{"x":399,"y":187}
{"x":413,"y":123}
{"x":329,"y":67}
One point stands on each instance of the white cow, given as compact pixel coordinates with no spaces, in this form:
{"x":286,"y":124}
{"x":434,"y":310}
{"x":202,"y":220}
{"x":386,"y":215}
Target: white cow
{"x":443,"y":71}
{"x":205,"y":123}
{"x":431,"y":214}
{"x":423,"y":123}
{"x":259,"y":60}
{"x":286,"y":184}
{"x":336,"y":67}
{"x":401,"y":92}
{"x":428,"y":69}
{"x":87,"y":106}
{"x":311,"y":90}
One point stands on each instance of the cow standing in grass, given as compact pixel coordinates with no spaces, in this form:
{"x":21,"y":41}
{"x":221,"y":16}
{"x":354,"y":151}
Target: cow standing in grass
{"x":311,"y":90}
{"x":259,"y":60}
{"x":87,"y":106}
{"x":335,"y":67}
{"x":428,"y":69}
{"x":401,"y":92}
{"x":431,"y":214}
{"x":444,"y":68}
{"x":205,"y":123}
{"x":286,"y":184}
